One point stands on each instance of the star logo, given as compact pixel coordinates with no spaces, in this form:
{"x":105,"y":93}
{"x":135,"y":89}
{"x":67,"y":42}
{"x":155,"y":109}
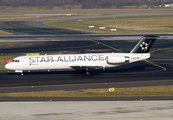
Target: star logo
{"x":144,"y":46}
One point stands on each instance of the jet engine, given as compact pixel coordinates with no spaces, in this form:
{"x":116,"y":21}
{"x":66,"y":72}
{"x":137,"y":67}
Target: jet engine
{"x":117,"y":59}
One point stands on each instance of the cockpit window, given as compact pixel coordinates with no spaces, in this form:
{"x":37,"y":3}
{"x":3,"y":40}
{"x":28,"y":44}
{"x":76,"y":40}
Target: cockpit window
{"x":15,"y":61}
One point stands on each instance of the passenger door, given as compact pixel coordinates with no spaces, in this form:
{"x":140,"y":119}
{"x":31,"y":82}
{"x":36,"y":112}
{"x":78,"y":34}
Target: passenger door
{"x":25,"y":63}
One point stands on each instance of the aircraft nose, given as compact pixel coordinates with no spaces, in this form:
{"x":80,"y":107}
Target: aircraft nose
{"x":7,"y":66}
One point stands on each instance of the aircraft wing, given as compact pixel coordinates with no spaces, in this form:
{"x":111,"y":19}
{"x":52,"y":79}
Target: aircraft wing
{"x":86,"y":67}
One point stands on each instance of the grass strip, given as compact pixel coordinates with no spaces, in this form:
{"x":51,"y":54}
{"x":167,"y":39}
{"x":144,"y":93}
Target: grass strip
{"x":7,"y":43}
{"x":2,"y":68}
{"x":5,"y":33}
{"x":55,"y":11}
{"x":136,"y":24}
{"x":8,"y":57}
{"x":151,"y":91}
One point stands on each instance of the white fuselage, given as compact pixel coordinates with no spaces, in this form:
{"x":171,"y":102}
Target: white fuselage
{"x":66,"y":61}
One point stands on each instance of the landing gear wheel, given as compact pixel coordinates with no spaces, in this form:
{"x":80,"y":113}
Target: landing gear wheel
{"x":83,"y":71}
{"x":87,"y":73}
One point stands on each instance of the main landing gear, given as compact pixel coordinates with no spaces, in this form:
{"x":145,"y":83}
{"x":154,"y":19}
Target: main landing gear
{"x":86,"y":72}
{"x":23,"y":74}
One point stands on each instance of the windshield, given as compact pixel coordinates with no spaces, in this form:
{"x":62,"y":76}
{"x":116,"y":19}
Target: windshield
{"x":15,"y":61}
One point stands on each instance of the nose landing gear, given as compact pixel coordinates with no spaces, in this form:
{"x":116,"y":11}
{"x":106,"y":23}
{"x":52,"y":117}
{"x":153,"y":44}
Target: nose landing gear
{"x":19,"y":71}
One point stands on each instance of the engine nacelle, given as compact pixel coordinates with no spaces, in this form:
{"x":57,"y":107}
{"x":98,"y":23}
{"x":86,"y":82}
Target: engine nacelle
{"x":117,"y":59}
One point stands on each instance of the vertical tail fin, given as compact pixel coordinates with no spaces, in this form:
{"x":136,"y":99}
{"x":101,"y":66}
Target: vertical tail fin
{"x":144,"y":45}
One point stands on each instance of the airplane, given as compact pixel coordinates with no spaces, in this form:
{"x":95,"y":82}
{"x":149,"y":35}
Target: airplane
{"x":84,"y":62}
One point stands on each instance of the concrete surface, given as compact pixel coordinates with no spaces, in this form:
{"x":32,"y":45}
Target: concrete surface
{"x":90,"y":110}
